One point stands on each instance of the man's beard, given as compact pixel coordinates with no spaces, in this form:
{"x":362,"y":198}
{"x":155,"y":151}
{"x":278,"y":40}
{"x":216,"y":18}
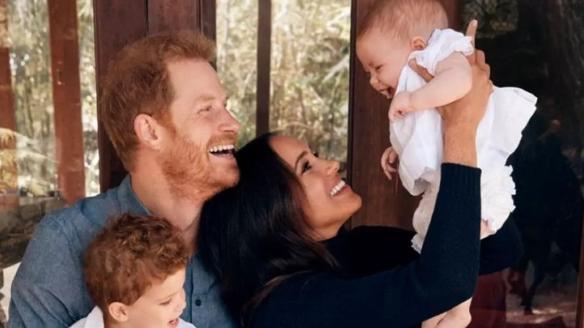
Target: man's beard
{"x":189,"y":173}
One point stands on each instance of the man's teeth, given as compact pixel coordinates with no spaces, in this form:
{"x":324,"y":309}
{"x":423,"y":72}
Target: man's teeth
{"x":222,"y":149}
{"x":337,"y":188}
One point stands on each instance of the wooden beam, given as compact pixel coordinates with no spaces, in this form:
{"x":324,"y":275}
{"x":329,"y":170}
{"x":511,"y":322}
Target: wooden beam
{"x":8,"y":168}
{"x":164,"y":15}
{"x":67,"y":99}
{"x":453,"y":12}
{"x":208,"y":18}
{"x":7,"y":117}
{"x":264,"y":56}
{"x":119,"y":22}
{"x":384,"y":202}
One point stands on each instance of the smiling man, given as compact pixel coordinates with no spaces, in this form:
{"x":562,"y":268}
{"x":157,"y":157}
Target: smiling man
{"x":164,"y":110}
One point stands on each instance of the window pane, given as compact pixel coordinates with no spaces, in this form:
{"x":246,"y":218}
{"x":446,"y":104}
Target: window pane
{"x":236,"y":59}
{"x":538,"y":47}
{"x":310,"y":73}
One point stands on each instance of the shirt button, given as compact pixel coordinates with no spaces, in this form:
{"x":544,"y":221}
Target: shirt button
{"x":198,"y":302}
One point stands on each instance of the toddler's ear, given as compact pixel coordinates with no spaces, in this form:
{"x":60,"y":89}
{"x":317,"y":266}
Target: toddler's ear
{"x":118,"y":311}
{"x":417,"y":43}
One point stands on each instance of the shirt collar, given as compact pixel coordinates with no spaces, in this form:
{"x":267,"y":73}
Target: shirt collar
{"x":128,"y":200}
{"x":95,"y":319}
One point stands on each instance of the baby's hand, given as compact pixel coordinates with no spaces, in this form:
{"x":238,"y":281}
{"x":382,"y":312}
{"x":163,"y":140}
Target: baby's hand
{"x":400,"y":105}
{"x":387,"y":161}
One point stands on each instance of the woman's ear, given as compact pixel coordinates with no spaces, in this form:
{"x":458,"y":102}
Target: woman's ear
{"x":417,"y":43}
{"x":148,"y":131}
{"x":118,"y":311}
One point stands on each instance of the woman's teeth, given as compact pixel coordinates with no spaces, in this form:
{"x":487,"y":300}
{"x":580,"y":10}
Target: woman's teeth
{"x":338,"y":188}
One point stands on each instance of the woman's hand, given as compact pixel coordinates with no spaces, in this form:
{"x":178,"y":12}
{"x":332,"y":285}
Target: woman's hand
{"x":462,"y":117}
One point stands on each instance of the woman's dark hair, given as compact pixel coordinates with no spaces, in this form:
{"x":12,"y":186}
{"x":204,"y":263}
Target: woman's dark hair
{"x":254,"y":235}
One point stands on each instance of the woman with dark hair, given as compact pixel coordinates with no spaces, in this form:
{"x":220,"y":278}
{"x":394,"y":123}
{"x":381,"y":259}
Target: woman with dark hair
{"x":274,"y":243}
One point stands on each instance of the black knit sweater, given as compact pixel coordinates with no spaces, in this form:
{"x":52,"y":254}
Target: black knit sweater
{"x":384,"y":283}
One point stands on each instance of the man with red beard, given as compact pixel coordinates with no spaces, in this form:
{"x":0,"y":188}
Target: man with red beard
{"x":164,"y":110}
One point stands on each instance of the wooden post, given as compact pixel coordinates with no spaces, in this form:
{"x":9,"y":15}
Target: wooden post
{"x":208,"y":18}
{"x":453,"y":12}
{"x":7,"y":118}
{"x":385,"y":202}
{"x":264,"y":58}
{"x":67,"y":99}
{"x":119,"y":22}
{"x":164,"y":15}
{"x":8,"y":167}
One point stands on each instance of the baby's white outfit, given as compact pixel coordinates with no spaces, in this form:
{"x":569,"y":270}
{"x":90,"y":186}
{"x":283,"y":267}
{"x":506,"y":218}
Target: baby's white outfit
{"x":95,"y":320}
{"x":417,"y":138}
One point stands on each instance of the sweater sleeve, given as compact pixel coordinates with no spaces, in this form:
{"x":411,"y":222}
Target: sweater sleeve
{"x":443,"y":276}
{"x":370,"y":249}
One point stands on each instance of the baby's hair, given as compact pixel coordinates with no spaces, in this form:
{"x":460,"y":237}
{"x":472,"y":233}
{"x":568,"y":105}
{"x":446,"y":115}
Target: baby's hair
{"x":404,"y":19}
{"x":129,"y":255}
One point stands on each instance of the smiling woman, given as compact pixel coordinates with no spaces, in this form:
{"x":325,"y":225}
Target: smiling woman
{"x":329,"y":201}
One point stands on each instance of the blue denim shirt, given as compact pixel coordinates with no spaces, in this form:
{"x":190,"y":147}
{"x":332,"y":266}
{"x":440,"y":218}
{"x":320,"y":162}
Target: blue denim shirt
{"x":49,"y":289}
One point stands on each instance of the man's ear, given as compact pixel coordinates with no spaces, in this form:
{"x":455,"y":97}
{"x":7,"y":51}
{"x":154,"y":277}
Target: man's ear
{"x":148,"y":131}
{"x":118,"y":311}
{"x":417,"y":43}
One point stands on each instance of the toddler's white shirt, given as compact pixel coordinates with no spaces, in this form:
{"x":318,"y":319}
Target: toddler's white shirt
{"x":95,"y":320}
{"x":417,"y":138}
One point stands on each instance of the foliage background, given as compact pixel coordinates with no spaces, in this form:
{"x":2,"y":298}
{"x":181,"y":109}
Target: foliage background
{"x":309,"y":69}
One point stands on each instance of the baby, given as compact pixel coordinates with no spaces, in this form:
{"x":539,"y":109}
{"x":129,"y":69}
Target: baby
{"x":393,"y":33}
{"x":135,"y":271}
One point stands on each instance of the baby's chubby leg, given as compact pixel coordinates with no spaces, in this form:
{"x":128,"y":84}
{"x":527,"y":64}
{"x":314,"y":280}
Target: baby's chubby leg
{"x":457,"y":317}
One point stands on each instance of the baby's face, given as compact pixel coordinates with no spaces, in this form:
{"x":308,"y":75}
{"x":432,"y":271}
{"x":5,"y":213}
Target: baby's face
{"x":161,"y":305}
{"x":383,"y":58}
